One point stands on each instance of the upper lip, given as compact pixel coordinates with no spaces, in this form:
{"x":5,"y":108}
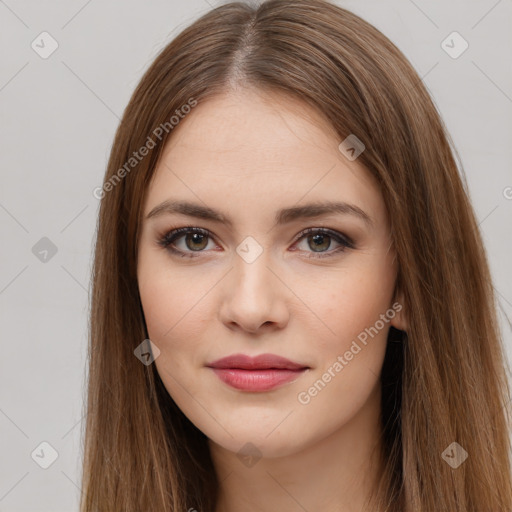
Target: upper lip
{"x":260,"y":362}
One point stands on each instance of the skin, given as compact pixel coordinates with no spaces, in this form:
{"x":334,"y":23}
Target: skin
{"x":249,"y":154}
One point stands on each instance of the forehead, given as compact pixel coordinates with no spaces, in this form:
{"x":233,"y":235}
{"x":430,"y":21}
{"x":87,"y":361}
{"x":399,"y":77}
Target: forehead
{"x":260,"y":151}
{"x":266,"y":126}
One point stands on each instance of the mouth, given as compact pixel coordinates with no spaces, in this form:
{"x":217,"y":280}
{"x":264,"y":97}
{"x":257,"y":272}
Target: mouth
{"x":257,"y":380}
{"x":261,"y":373}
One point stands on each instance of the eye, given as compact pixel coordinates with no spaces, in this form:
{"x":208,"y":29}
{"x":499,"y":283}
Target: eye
{"x":320,"y":238}
{"x":196,"y":240}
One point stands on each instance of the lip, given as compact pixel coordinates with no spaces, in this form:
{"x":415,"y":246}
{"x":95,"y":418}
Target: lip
{"x":261,"y":373}
{"x":260,"y":362}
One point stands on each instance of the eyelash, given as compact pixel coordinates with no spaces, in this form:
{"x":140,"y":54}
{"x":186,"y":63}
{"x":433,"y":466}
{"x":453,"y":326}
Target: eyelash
{"x":167,"y":240}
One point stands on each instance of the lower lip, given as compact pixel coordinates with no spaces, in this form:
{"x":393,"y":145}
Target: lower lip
{"x":256,"y":380}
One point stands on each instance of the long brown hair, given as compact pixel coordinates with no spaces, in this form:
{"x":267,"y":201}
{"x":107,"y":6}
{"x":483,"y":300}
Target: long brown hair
{"x":445,"y":382}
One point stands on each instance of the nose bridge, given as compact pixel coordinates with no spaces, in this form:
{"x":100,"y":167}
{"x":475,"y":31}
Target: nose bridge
{"x":250,"y":299}
{"x":252,"y":261}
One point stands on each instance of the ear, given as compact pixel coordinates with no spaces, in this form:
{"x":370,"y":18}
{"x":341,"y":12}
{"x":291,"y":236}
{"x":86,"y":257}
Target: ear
{"x":400,"y":320}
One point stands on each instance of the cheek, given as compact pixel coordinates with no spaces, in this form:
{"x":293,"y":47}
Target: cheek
{"x":173,"y":302}
{"x":352,"y":301}
{"x":356,"y":306}
{"x":175,"y":317}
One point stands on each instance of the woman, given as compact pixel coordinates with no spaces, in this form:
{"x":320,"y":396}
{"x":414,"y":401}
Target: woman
{"x":292,"y":307}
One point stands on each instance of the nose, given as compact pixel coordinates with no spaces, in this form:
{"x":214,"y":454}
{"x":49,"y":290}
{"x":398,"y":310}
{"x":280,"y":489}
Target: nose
{"x":254,"y":297}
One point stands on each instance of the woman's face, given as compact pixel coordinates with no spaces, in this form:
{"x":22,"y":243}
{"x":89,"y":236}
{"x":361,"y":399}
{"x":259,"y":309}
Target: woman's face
{"x":256,"y":285}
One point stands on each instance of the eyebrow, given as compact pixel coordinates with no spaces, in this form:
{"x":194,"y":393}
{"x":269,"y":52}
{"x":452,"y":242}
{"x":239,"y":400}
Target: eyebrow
{"x":283,"y":216}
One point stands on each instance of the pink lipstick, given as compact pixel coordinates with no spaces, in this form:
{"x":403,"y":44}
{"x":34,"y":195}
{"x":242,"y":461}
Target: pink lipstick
{"x":260,"y":373}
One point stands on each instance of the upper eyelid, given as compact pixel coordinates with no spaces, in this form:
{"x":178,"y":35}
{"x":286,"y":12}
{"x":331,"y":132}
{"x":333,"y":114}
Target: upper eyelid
{"x":178,"y":233}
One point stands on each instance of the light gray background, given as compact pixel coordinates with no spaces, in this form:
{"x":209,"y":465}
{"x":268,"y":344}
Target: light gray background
{"x":58,"y":118}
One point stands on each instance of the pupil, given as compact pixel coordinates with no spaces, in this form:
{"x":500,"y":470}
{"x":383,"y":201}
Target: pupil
{"x":321,"y":237}
{"x":195,"y":236}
